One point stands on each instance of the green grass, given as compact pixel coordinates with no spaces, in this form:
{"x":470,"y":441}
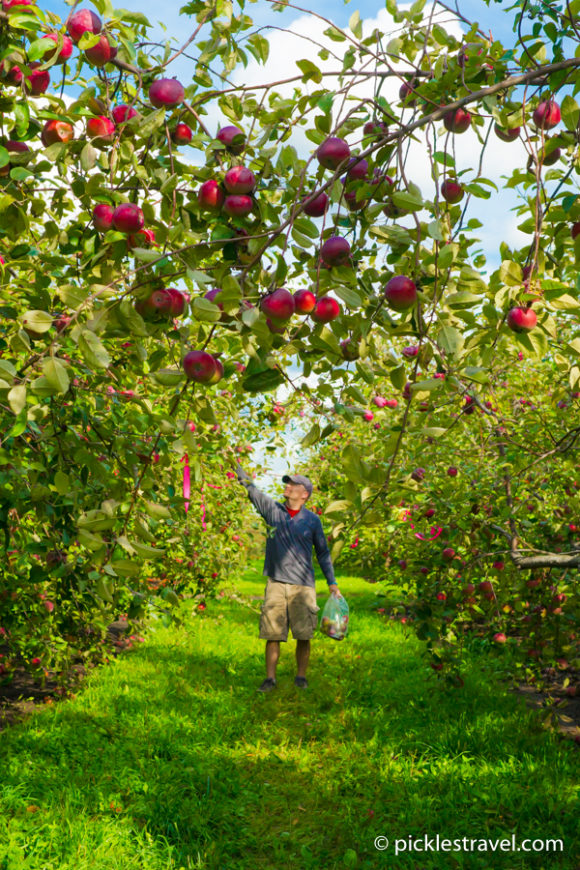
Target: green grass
{"x":202,"y":771}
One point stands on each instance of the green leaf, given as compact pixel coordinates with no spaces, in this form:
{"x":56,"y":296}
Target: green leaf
{"x":170,"y":377}
{"x":17,"y":398}
{"x":348,"y":296}
{"x":335,"y":34}
{"x":203,"y":309}
{"x":435,"y":232}
{"x":433,"y":431}
{"x":56,"y":374}
{"x":147,"y":552}
{"x":103,"y":590}
{"x":88,"y":157}
{"x":476,"y":373}
{"x":145,"y":255}
{"x":73,"y":297}
{"x":263,"y":382}
{"x":427,"y":385}
{"x":355,"y":24}
{"x":158,"y":511}
{"x":310,"y":71}
{"x":127,"y":567}
{"x":450,"y":340}
{"x":510,"y":273}
{"x":259,"y":47}
{"x":338,"y":507}
{"x":398,"y":377}
{"x":62,"y":482}
{"x":406,"y":200}
{"x":42,"y":388}
{"x":570,"y":111}
{"x":37,"y":321}
{"x":312,"y":437}
{"x":93,"y":351}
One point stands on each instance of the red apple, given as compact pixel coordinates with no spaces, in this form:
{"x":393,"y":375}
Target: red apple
{"x":486,"y":586}
{"x":238,"y":205}
{"x":177,"y":306}
{"x":318,"y":206}
{"x":457,"y":120}
{"x":128,"y":218}
{"x":199,"y":366}
{"x":379,"y":401}
{"x":499,"y":637}
{"x":279,"y":306}
{"x":391,"y":403}
{"x":547,"y":115}
{"x":123,"y":113}
{"x":101,"y":129}
{"x":352,"y":203}
{"x":452,"y":471}
{"x":275,"y":327}
{"x":418,"y":474}
{"x":14,"y":147}
{"x":335,"y":251}
{"x":368,"y":415}
{"x":509,"y":134}
{"x":156,"y":306}
{"x":410,"y":351}
{"x":103,"y":217}
{"x":238,"y":179}
{"x":350,"y":353}
{"x":358,"y":170}
{"x":429,"y":513}
{"x":452,"y":191}
{"x":441,"y":596}
{"x":101,"y":53}
{"x":7,"y":5}
{"x":332,"y":152}
{"x":148,"y":238}
{"x":166,"y":93}
{"x":326,"y":309}
{"x":219,"y":372}
{"x":210,"y":195}
{"x":575,"y":231}
{"x":448,"y":553}
{"x":498,"y":565}
{"x":521,"y":319}
{"x":83,"y":21}
{"x":380,"y":182}
{"x":378,"y":129}
{"x":400,"y":293}
{"x":406,"y":93}
{"x":548,"y":159}
{"x":66,"y":50}
{"x":182,"y":135}
{"x":233,"y":138}
{"x":304,"y":301}
{"x":56,"y":131}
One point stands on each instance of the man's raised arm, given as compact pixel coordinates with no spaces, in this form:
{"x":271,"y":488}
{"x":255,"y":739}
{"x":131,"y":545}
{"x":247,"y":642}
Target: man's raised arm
{"x":266,"y":506}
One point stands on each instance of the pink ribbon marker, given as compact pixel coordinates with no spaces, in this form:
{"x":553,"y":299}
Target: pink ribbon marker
{"x":203,"y":522}
{"x":186,"y":482}
{"x":435,"y":532}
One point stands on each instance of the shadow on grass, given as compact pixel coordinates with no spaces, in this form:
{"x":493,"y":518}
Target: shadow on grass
{"x":170,"y":758}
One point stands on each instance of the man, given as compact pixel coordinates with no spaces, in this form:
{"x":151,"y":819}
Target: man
{"x":290,"y":593}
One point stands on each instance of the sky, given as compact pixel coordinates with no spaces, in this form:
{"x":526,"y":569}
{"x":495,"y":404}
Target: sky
{"x":286,"y":48}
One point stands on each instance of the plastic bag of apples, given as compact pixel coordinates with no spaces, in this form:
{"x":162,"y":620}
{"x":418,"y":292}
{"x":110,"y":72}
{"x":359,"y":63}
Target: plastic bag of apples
{"x":334,"y":621}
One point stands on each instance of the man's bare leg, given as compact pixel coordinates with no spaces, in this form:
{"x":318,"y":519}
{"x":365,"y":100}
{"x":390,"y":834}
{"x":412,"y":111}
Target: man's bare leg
{"x":302,"y":656}
{"x":272,"y":656}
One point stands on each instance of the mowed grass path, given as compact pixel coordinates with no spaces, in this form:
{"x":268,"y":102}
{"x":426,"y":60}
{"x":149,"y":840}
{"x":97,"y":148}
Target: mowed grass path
{"x":169,"y":757}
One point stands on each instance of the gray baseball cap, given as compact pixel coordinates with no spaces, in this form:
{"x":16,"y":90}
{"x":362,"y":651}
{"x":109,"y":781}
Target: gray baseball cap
{"x":299,"y":478}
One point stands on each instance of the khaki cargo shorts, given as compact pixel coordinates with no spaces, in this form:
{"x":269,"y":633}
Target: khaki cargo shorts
{"x":287,"y":602}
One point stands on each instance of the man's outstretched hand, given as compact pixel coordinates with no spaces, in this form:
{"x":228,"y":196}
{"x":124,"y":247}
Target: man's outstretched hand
{"x":242,"y":476}
{"x":335,"y":590}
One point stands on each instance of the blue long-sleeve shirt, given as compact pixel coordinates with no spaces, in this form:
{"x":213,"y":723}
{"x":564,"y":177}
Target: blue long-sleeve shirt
{"x":289,"y":548}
